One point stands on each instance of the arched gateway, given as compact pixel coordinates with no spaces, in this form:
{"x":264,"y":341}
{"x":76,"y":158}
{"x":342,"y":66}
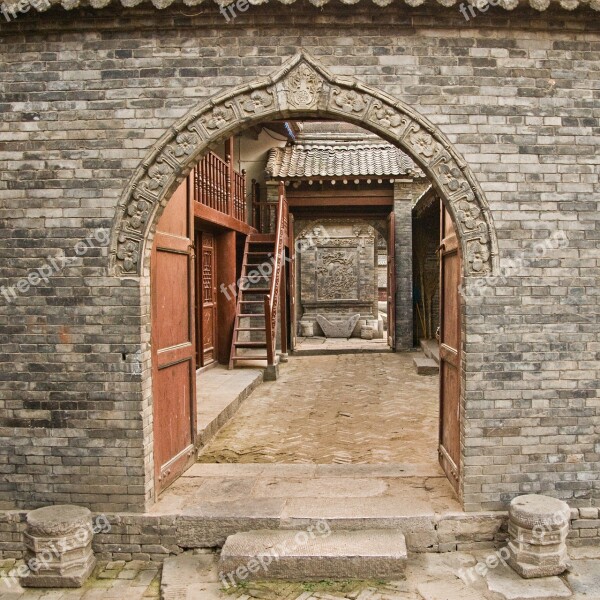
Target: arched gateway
{"x":303,"y":88}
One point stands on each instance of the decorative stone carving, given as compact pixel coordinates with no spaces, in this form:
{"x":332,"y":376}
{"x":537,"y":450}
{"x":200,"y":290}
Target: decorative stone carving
{"x":537,"y":528}
{"x":302,"y":86}
{"x":256,"y":102}
{"x":58,"y":542}
{"x":340,"y":328}
{"x":349,"y":101}
{"x":337,"y":274}
{"x":295,"y":89}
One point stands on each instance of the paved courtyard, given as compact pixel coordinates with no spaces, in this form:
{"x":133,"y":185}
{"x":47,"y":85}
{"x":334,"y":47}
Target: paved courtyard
{"x":349,"y":408}
{"x":447,"y":576}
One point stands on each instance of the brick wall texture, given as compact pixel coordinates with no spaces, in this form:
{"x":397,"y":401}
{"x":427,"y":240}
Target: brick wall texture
{"x":85,"y":94}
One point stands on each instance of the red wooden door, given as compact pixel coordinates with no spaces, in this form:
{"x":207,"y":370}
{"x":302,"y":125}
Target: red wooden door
{"x":391,"y":281}
{"x":450,"y":341}
{"x":173,"y":341}
{"x":208,"y":290}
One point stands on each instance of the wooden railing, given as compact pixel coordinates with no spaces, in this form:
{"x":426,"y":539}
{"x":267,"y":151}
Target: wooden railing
{"x":219,"y":186}
{"x":272,"y":299}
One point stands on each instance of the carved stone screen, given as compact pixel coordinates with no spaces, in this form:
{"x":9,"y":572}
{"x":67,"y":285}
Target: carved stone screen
{"x":337,"y":271}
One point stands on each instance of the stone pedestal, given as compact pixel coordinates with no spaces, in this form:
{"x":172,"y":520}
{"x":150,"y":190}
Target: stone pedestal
{"x":58,"y":542}
{"x":538,"y":528}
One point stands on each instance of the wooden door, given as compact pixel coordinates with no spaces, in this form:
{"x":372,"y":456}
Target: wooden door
{"x":450,"y":341}
{"x":391,"y":281}
{"x":208,"y":290}
{"x":173,"y":341}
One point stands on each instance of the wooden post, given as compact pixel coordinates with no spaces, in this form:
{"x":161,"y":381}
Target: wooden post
{"x":229,"y":148}
{"x":283,"y":308}
{"x":226,"y":302}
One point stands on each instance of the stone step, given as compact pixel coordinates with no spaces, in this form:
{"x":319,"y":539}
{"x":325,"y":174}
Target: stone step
{"x":316,"y":553}
{"x":426,"y":366}
{"x":431,"y":349}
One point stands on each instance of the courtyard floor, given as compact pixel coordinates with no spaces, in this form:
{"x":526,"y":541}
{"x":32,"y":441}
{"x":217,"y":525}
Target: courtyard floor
{"x":336,"y":409}
{"x":448,"y":576}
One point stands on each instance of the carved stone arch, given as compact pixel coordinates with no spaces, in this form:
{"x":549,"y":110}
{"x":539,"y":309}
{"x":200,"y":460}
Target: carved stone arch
{"x":301,"y":88}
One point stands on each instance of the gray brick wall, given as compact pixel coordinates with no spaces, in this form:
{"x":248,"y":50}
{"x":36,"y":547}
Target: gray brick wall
{"x":85,"y":95}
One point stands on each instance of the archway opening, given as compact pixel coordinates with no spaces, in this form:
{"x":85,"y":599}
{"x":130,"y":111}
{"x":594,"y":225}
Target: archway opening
{"x":360,"y":273}
{"x":301,"y":89}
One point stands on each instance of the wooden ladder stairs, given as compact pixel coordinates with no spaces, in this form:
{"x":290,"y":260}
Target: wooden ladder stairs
{"x":250,"y":329}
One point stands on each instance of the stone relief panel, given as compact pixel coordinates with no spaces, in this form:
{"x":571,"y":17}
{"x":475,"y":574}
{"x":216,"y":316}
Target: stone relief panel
{"x":302,"y":87}
{"x":336,"y":273}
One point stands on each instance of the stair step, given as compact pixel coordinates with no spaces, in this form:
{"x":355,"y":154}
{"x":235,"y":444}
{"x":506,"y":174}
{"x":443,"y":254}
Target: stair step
{"x":426,"y":366}
{"x":251,"y":315}
{"x":255,"y":290}
{"x":302,"y":556}
{"x":250,"y":357}
{"x":431,"y":349}
{"x":250,"y":344}
{"x":250,"y":328}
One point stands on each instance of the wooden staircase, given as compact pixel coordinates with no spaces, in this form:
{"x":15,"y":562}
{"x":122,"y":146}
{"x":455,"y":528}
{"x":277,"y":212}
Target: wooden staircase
{"x":250,"y":323}
{"x":259,"y":291}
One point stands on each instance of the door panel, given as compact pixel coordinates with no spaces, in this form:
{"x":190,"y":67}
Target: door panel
{"x":450,"y":343}
{"x":391,"y":281}
{"x":209,"y":299}
{"x":173,"y":341}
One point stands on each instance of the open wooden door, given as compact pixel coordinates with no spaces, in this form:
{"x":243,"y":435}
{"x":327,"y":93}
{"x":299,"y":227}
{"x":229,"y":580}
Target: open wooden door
{"x":173,"y":341}
{"x":450,"y":342}
{"x":391,"y":281}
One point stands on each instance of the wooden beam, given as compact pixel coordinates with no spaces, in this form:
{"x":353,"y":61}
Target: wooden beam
{"x":221,"y":219}
{"x":324,"y":201}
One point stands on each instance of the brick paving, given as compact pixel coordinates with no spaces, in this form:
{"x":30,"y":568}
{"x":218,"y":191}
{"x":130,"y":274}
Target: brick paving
{"x":351,"y":408}
{"x":118,"y":580}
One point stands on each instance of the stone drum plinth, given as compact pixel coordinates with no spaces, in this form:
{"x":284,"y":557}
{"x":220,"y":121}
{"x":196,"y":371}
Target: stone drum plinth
{"x":538,"y":528}
{"x":58,"y":541}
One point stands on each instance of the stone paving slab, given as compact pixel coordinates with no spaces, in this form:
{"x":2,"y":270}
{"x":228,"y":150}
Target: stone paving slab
{"x":134,"y":580}
{"x":584,"y":579}
{"x":504,"y":581}
{"x":425,"y":576}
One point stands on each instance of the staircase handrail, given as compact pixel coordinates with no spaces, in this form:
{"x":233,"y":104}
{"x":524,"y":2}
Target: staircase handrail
{"x":271,"y":299}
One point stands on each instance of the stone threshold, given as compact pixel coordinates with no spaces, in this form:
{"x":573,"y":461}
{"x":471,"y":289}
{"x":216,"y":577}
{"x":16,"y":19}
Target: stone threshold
{"x":220,"y":393}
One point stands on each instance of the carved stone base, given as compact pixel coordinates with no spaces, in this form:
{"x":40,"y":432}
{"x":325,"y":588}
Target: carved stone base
{"x":538,"y":528}
{"x":58,"y":542}
{"x":338,"y":328}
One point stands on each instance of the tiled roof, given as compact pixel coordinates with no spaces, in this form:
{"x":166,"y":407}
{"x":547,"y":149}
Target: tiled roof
{"x":338,"y":159}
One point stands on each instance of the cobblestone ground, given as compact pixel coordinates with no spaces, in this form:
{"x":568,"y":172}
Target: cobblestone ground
{"x":351,"y":408}
{"x":134,"y":580}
